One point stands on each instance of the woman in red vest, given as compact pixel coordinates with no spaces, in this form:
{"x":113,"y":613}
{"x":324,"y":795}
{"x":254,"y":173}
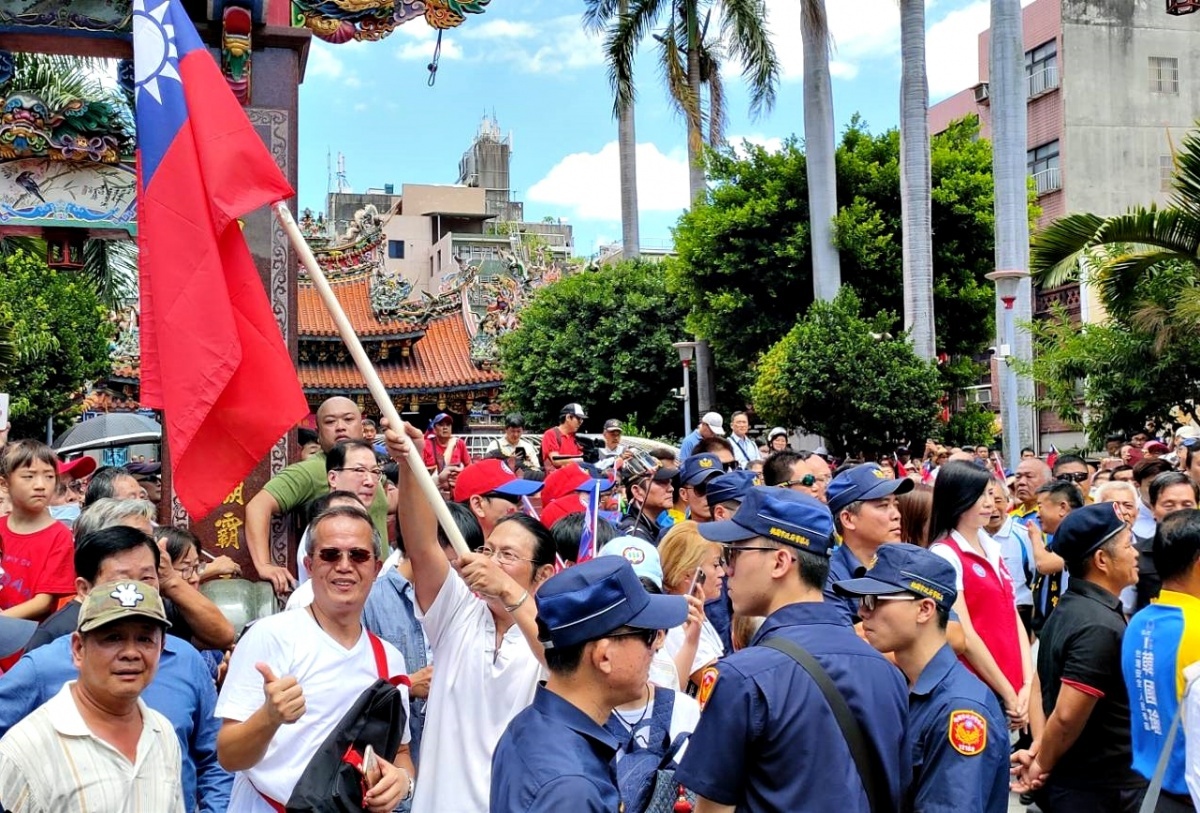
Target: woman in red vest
{"x":997,"y":649}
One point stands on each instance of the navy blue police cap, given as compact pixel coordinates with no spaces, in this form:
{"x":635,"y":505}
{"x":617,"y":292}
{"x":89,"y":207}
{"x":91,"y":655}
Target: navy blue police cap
{"x":779,"y":514}
{"x":903,"y":568}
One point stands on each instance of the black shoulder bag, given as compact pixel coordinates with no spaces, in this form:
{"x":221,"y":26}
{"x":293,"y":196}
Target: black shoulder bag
{"x":866,"y":760}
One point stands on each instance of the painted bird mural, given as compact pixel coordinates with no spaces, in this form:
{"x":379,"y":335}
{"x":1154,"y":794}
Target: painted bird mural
{"x":26,"y":181}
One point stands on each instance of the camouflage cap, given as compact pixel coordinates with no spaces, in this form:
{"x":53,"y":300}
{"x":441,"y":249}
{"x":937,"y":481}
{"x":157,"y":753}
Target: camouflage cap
{"x":116,"y":601}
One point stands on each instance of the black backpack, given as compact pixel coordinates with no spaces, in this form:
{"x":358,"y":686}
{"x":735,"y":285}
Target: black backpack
{"x":332,"y":782}
{"x":646,"y":773}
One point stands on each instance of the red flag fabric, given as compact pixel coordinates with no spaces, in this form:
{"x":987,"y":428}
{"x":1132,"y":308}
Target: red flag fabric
{"x":1052,"y":458}
{"x":212,"y":357}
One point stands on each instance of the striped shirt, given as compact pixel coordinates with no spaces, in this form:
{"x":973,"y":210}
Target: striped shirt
{"x":51,"y":762}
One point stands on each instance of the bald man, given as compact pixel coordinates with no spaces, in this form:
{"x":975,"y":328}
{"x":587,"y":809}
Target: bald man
{"x":338,"y":419}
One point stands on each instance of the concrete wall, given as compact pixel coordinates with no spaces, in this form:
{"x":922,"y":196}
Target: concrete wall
{"x":419,"y":199}
{"x":417,"y":235}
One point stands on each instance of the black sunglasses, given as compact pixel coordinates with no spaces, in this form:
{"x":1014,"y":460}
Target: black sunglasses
{"x":356,"y":555}
{"x":1072,"y":477}
{"x":807,"y":481}
{"x":647,"y":637}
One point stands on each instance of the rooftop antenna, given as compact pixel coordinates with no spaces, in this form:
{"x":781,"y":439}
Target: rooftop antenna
{"x":343,"y":185}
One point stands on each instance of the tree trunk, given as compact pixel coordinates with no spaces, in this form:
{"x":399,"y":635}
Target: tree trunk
{"x":695,"y":140}
{"x":1009,"y":148}
{"x":819,"y":149}
{"x":915,"y":182}
{"x":631,"y":244}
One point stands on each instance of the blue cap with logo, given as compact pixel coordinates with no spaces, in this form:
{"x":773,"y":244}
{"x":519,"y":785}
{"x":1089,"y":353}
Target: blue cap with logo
{"x":863,"y":482}
{"x":638,"y":552}
{"x":597,"y":597}
{"x":700,"y":467}
{"x":903,"y":568}
{"x":732,"y":486}
{"x":1086,"y":529}
{"x":779,"y":514}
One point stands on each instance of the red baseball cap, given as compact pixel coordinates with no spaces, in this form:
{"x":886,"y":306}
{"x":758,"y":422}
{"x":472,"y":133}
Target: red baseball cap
{"x":563,"y":506}
{"x":79,"y":467}
{"x":491,"y":477}
{"x":562,"y":482}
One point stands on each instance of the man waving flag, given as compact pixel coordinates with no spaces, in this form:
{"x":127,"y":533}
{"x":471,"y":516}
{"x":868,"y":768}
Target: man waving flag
{"x":212,"y":357}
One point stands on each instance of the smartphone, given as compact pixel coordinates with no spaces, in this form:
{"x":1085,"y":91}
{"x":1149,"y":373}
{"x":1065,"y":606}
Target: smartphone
{"x":3,"y":410}
{"x":697,"y":580}
{"x":371,"y":771}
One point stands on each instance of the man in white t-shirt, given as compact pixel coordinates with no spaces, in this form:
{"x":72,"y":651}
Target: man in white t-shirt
{"x":295,"y":675}
{"x":482,"y":627}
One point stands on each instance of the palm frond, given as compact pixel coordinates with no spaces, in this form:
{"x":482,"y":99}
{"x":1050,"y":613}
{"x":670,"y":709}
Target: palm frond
{"x":745,"y":31}
{"x":8,"y":350}
{"x":1157,"y":320}
{"x":1117,"y":278}
{"x":710,"y":75}
{"x":622,"y":43}
{"x":1187,"y":308}
{"x":672,"y":49}
{"x":111,"y":267}
{"x":1054,"y":252}
{"x":1186,"y":181}
{"x":599,"y":14}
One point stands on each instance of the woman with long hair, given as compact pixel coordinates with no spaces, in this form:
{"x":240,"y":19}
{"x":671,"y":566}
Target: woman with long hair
{"x":692,"y":566}
{"x":997,"y":649}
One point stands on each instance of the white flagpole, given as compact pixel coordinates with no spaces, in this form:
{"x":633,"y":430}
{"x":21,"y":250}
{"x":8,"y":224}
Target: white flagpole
{"x":374,"y":384}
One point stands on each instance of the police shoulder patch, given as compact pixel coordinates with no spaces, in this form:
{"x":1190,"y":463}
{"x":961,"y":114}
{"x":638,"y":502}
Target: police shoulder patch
{"x":708,"y":679}
{"x":967,"y":732}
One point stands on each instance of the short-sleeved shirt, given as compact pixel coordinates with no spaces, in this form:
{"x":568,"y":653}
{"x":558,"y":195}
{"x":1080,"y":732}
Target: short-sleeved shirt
{"x":1162,"y":641}
{"x":554,"y":758}
{"x":332,"y":677}
{"x":959,"y":741}
{"x":301,"y":483}
{"x":767,"y":739}
{"x":40,"y":563}
{"x":843,"y":565}
{"x":476,"y":691}
{"x":435,"y":456}
{"x":557,"y":442}
{"x":1016,"y":549}
{"x":1081,"y":647}
{"x":52,"y":762}
{"x":507,"y":449}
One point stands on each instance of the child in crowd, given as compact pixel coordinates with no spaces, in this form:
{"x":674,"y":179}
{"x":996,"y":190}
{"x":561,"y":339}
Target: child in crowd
{"x":38,"y":552}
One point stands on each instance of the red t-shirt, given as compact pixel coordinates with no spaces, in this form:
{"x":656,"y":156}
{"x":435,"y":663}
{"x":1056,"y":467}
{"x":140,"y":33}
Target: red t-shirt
{"x":435,"y":453}
{"x":555,"y":441}
{"x":36,"y":563}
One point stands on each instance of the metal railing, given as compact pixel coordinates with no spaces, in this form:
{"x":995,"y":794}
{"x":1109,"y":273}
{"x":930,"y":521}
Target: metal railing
{"x":1043,"y":81}
{"x":1048,"y":180}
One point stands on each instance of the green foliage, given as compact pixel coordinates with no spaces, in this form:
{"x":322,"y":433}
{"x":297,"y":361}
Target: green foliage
{"x":60,"y":332}
{"x":831,"y":377}
{"x":972,"y":426}
{"x":601,"y":338}
{"x":744,"y":268}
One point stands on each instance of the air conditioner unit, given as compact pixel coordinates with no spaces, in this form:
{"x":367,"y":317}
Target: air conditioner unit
{"x":981,"y":93}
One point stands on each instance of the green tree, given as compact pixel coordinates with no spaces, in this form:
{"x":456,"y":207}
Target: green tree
{"x":744,"y":265}
{"x":973,"y":425}
{"x":602,"y":338}
{"x":60,"y":329}
{"x":838,"y":374}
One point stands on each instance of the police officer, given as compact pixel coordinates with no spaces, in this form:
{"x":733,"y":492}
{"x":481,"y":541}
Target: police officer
{"x":725,"y":493}
{"x":1083,"y":755}
{"x":957,"y":733}
{"x":866,"y":514}
{"x":764,"y":711}
{"x":695,"y":475}
{"x":600,"y":629}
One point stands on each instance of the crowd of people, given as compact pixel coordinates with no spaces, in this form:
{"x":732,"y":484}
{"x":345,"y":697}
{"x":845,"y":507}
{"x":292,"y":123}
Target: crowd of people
{"x":737,"y":626}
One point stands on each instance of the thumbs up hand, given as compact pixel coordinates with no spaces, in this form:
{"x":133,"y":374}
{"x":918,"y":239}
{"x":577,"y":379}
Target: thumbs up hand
{"x":284,"y":697}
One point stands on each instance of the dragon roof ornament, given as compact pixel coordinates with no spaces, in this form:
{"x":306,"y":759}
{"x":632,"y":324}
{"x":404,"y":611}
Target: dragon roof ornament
{"x":338,"y":21}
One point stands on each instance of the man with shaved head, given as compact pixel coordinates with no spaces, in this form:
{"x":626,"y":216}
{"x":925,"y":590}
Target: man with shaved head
{"x":338,"y":419}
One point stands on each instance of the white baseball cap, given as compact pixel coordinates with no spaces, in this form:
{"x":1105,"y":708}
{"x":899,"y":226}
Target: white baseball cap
{"x":715,"y":422}
{"x":639,"y":553}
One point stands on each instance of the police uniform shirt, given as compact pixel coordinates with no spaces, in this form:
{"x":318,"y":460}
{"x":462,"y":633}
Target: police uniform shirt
{"x":843,"y":565}
{"x":767,"y":740}
{"x":959,"y":741}
{"x":1081,"y":647}
{"x":554,"y":758}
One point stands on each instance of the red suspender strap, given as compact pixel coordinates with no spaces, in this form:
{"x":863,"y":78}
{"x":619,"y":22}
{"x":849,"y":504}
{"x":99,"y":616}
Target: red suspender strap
{"x":381,"y":666}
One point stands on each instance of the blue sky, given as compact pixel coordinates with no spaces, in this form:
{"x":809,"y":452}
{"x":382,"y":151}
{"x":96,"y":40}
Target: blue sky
{"x":530,"y":64}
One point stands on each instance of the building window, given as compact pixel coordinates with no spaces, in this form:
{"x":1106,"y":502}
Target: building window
{"x":1041,"y":68}
{"x":395,"y":249}
{"x":1166,"y":172}
{"x":1164,"y":74}
{"x":1043,"y":166}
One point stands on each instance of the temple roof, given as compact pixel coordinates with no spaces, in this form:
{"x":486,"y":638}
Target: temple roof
{"x":440,"y":361}
{"x":313,"y":321}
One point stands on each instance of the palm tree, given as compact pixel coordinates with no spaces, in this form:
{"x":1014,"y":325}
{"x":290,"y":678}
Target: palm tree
{"x":631,"y":244}
{"x":819,"y":149}
{"x":1009,"y":133}
{"x":1123,"y":250}
{"x":110,"y":266}
{"x":691,"y":61}
{"x":915,"y":182}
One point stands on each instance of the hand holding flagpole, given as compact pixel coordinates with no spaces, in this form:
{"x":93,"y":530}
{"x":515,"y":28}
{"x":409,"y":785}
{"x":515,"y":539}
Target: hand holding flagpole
{"x":374,"y":383}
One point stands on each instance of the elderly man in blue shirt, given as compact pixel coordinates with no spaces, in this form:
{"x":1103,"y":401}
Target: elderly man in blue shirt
{"x":182,"y":689}
{"x":600,"y":629}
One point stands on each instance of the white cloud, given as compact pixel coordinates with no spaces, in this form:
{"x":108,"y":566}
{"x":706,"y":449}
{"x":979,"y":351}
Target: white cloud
{"x":587,"y":185}
{"x":860,"y":30}
{"x":496,"y":29}
{"x":952,"y":49}
{"x":323,"y":62}
{"x":768,"y":143}
{"x":421,"y":44}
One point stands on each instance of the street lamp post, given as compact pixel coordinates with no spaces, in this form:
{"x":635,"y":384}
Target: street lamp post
{"x":686,"y":352}
{"x":1007,"y":287}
